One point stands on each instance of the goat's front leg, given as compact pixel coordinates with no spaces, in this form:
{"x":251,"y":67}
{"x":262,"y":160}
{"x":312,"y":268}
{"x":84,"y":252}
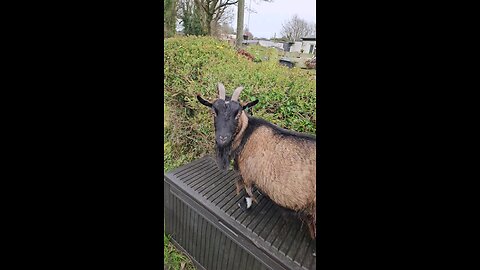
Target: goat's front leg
{"x":239,"y":184}
{"x":249,"y":191}
{"x":247,"y":203}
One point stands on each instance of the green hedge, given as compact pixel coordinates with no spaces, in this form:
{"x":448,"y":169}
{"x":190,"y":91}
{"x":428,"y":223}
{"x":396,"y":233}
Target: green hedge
{"x":196,"y":64}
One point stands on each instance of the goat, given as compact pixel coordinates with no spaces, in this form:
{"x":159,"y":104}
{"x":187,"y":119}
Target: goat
{"x":279,"y":162}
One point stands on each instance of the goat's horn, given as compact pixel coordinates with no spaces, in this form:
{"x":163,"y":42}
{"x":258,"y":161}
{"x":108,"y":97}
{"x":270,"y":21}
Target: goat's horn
{"x":236,"y":93}
{"x":221,"y":91}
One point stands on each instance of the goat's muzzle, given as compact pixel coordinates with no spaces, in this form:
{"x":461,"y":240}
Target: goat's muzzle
{"x":222,"y":140}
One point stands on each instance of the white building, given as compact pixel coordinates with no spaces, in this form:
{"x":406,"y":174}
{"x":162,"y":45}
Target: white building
{"x":308,"y":44}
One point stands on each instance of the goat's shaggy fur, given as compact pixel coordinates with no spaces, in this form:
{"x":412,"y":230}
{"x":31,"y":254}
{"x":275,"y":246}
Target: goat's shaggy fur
{"x":281,"y":163}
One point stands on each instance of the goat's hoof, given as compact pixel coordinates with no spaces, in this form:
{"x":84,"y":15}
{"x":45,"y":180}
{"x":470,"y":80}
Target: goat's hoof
{"x":243,"y":205}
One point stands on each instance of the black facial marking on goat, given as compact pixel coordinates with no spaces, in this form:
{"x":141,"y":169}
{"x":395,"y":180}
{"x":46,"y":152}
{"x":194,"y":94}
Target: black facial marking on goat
{"x":223,"y":156}
{"x":226,"y":117}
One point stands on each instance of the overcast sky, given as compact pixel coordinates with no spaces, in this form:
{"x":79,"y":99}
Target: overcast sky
{"x":270,"y":16}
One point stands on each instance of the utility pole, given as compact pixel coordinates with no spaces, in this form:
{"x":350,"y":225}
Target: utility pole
{"x":249,"y":11}
{"x":241,"y":11}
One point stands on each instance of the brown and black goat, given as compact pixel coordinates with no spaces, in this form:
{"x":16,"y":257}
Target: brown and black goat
{"x":279,"y":162}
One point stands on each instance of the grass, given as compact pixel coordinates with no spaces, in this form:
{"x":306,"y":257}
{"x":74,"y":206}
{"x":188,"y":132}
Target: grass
{"x":263,"y":53}
{"x":173,"y":258}
{"x":273,"y":55}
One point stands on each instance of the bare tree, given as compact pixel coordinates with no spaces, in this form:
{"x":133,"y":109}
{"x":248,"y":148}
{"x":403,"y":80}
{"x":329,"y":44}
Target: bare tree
{"x":225,"y":18}
{"x":214,"y":12}
{"x":297,"y":28}
{"x":206,"y":17}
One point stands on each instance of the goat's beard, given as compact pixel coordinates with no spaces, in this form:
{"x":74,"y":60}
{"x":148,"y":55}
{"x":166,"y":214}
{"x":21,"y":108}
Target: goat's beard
{"x":223,"y":156}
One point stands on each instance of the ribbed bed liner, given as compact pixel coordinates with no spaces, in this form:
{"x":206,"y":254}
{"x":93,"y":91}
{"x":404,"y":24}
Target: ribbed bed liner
{"x":203,"y":217}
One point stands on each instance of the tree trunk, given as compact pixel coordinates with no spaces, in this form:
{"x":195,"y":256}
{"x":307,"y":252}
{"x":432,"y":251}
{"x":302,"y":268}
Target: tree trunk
{"x":241,"y":10}
{"x":170,"y":18}
{"x":174,"y":17}
{"x":209,"y":24}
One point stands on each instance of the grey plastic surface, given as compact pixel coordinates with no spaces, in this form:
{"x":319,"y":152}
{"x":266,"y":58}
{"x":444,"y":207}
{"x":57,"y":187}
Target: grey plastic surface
{"x":202,"y":216}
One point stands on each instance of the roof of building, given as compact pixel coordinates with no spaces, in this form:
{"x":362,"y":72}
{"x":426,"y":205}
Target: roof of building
{"x":309,"y":38}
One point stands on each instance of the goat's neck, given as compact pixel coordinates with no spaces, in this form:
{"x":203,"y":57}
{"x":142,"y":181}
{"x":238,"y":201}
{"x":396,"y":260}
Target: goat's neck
{"x":242,"y":126}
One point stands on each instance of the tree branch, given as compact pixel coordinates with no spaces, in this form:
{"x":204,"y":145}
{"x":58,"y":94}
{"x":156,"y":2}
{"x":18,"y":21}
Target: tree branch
{"x":228,"y":3}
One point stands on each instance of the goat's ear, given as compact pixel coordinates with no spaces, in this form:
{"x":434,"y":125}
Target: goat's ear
{"x":250,"y":104}
{"x":203,"y":101}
